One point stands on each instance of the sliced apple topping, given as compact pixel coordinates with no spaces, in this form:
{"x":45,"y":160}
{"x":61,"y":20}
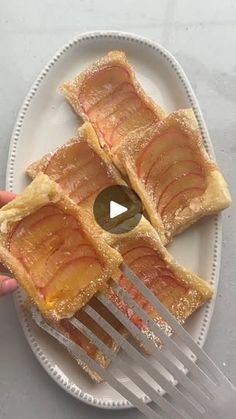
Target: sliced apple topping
{"x":124,"y":111}
{"x":76,"y":154}
{"x":72,"y":277}
{"x":172,"y":171}
{"x":113,"y":104}
{"x":176,"y":170}
{"x":65,"y":253}
{"x":181,"y":185}
{"x":101,"y":83}
{"x":79,"y":171}
{"x":159,"y":146}
{"x":109,"y":104}
{"x":156,"y":275}
{"x":140,"y":118}
{"x":55,"y":252}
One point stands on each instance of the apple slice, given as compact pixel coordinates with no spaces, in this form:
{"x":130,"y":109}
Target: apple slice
{"x":72,"y":156}
{"x":100,"y":84}
{"x":170,"y":166}
{"x":73,"y":180}
{"x":163,"y":161}
{"x":137,"y":251}
{"x":45,"y":230}
{"x":142,"y":117}
{"x":112,"y":101}
{"x":151,"y":268}
{"x":53,"y":241}
{"x":160,"y":145}
{"x":180,"y":187}
{"x":89,"y":180}
{"x":178,"y":202}
{"x":175,"y":171}
{"x":143,"y":258}
{"x":41,"y":233}
{"x":79,"y":171}
{"x":56,"y":257}
{"x":123,"y":112}
{"x":93,"y":187}
{"x":109,"y":104}
{"x":141,"y":263}
{"x":72,"y":278}
{"x":41,"y":236}
{"x":18,"y":232}
{"x":157,"y":277}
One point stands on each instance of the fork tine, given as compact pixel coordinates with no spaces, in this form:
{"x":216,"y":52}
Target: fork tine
{"x":166,"y":406}
{"x":172,"y":322}
{"x":169,"y":343}
{"x":199,"y":395}
{"x":104,"y":374}
{"x":191,"y":387}
{"x":133,"y":353}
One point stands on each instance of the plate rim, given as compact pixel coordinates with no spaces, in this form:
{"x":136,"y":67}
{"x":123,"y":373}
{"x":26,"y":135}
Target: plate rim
{"x":22,"y":315}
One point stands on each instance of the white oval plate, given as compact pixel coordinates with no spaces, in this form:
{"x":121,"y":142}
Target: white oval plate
{"x":46,"y":121}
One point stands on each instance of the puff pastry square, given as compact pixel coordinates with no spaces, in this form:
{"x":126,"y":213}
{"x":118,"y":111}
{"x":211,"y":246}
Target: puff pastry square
{"x":168,"y":167}
{"x":80,"y":167}
{"x":54,"y":249}
{"x":108,"y":95}
{"x":179,"y":290}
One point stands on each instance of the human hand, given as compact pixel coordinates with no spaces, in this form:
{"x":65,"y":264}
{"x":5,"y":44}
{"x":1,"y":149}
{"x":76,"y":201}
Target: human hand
{"x":7,"y":284}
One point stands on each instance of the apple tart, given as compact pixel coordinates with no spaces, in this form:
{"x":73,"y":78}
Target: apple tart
{"x":180,"y":291}
{"x":169,"y":169}
{"x":108,"y":95}
{"x":80,"y":167}
{"x":54,"y":249}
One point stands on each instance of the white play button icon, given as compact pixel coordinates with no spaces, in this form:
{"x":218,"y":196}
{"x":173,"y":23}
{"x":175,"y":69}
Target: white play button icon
{"x":116,"y":209}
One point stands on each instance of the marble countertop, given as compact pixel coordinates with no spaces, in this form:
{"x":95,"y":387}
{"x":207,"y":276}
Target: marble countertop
{"x":202,"y":36}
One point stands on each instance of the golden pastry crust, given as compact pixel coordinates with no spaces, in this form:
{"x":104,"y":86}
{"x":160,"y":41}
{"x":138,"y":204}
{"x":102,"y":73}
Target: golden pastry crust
{"x":214,"y":198}
{"x":40,"y":193}
{"x":72,"y":90}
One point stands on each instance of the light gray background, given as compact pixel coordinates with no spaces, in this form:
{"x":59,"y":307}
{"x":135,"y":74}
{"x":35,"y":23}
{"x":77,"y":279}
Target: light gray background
{"x":202,"y":35}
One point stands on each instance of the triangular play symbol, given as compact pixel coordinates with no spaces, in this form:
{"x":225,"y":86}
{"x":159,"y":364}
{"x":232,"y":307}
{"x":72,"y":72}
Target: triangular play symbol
{"x":116,"y":209}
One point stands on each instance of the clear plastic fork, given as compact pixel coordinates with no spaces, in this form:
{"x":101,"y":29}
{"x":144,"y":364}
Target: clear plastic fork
{"x":204,"y":393}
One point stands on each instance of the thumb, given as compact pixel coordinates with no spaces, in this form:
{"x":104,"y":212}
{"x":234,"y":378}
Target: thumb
{"x":7,"y":285}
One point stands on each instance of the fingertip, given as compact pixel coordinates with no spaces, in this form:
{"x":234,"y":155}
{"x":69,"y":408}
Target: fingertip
{"x":6,"y":197}
{"x":7,"y":285}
